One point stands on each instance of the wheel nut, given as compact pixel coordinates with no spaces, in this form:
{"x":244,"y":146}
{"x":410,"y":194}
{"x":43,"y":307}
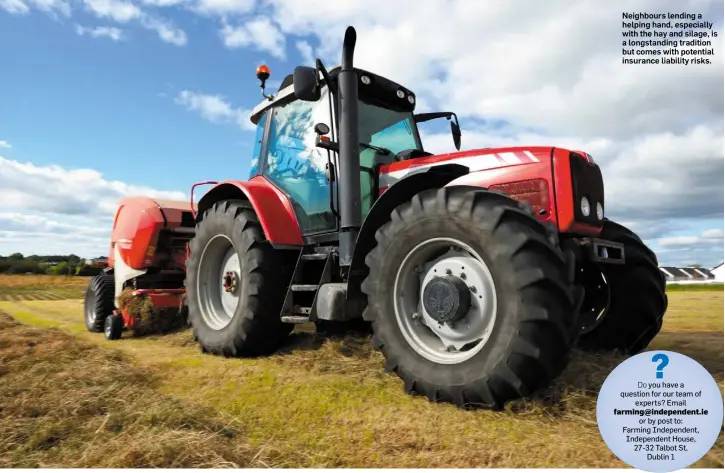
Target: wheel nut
{"x":463,"y":275}
{"x":448,"y":271}
{"x":473,"y":289}
{"x":416,"y":316}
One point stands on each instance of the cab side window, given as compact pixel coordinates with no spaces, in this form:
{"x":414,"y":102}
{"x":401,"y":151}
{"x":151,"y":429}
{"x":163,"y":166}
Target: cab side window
{"x":297,"y":166}
{"x":257,"y":150}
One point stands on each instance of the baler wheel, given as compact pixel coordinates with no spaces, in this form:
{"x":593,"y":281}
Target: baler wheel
{"x":637,"y":300}
{"x":113,"y":327}
{"x":236,"y":284}
{"x":99,"y":301}
{"x":471,"y":299}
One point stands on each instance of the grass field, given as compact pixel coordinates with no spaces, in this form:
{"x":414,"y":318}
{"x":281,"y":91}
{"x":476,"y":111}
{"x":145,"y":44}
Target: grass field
{"x":39,"y":287}
{"x":70,"y":398}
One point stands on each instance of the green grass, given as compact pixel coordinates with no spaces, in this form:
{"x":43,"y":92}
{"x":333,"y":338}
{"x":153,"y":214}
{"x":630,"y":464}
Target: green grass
{"x":714,"y":287}
{"x":316,"y":403}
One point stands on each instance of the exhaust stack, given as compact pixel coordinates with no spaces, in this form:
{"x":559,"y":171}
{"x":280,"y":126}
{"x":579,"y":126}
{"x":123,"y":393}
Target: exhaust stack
{"x":349,"y":142}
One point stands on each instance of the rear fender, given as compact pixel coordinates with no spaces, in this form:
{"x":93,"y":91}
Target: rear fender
{"x":396,"y":194}
{"x":272,"y":207}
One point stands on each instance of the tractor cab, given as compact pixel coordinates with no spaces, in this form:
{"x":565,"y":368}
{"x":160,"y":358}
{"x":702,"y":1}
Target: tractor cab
{"x":298,"y":131}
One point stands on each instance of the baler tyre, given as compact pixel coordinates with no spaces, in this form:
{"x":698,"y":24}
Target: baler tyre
{"x":525,"y":309}
{"x":230,"y":247}
{"x":99,"y":301}
{"x":637,"y":301}
{"x":113,"y":327}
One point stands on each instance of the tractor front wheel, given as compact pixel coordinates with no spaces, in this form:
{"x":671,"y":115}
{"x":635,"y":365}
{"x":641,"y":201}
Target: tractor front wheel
{"x":236,"y":284}
{"x":636,"y":297}
{"x":470,"y":298}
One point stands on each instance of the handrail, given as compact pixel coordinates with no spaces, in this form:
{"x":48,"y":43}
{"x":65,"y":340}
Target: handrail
{"x":202,"y":183}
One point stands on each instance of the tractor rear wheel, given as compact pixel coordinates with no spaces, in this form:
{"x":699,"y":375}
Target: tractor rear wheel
{"x":470,"y":298}
{"x":99,"y":301}
{"x":236,"y":284}
{"x":637,"y":298}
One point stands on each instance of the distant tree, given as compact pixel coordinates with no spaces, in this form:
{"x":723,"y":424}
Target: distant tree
{"x":59,"y":269}
{"x":16,"y":256}
{"x":698,"y":266}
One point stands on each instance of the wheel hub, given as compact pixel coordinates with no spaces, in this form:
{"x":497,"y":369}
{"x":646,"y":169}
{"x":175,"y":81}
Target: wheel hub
{"x":446,"y":299}
{"x":230,"y":282}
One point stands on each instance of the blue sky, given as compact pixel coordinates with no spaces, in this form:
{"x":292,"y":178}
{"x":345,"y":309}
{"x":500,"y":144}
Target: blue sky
{"x":105,"y":98}
{"x":110,"y":105}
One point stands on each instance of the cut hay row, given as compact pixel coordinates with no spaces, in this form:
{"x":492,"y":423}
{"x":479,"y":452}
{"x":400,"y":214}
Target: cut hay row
{"x":33,"y":296}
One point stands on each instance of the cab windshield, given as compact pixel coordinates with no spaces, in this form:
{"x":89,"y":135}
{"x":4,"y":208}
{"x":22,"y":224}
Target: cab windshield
{"x":389,"y":129}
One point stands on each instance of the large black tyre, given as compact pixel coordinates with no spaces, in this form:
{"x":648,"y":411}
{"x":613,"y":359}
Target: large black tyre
{"x":254,"y":327}
{"x":113,"y":327}
{"x":530,"y":341}
{"x":99,"y":301}
{"x":637,"y":298}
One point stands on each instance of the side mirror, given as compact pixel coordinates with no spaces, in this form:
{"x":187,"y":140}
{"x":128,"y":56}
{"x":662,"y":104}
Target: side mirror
{"x":306,"y":84}
{"x":456,"y":132}
{"x":322,"y":129}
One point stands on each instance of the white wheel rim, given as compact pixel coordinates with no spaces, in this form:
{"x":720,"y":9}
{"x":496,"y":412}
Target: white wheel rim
{"x":218,"y":283}
{"x":444,"y":343}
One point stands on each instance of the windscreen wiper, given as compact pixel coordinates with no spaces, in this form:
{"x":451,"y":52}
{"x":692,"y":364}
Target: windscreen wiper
{"x":383,"y":151}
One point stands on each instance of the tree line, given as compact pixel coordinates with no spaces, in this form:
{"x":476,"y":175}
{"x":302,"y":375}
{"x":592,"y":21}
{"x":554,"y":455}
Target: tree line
{"x":69,"y":265}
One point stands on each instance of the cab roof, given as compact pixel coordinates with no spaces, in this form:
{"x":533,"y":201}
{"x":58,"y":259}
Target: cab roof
{"x":285,"y":92}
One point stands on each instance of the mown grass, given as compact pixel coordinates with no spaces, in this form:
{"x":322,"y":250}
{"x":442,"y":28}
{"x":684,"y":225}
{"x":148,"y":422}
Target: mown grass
{"x":328,"y":403}
{"x":41,"y":287}
{"x":67,"y":403}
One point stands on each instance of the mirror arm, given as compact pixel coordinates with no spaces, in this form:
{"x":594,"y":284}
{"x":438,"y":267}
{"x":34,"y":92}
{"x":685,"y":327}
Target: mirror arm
{"x":326,"y":144}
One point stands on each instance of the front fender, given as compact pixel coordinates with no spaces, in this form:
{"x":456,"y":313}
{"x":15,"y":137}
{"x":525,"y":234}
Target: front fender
{"x":402,"y":191}
{"x":273,"y":209}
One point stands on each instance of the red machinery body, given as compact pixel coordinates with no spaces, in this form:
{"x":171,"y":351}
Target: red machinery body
{"x":140,"y":223}
{"x":149,"y":238}
{"x":539,"y":175}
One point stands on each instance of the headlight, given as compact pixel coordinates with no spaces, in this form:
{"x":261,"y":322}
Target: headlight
{"x":365,"y":80}
{"x":411,"y":99}
{"x":586,"y":209}
{"x":401,"y":94}
{"x":600,"y":211}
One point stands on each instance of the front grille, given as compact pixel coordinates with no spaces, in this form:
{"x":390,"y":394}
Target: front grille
{"x":586,"y":181}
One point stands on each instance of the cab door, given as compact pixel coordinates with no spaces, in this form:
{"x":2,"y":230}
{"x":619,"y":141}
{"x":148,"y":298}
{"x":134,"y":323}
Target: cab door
{"x":296,"y":166}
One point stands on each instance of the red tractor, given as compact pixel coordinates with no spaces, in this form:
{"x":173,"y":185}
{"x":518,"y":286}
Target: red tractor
{"x":477,"y":271}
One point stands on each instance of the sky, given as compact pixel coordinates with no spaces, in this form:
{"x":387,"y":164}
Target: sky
{"x":100,"y":99}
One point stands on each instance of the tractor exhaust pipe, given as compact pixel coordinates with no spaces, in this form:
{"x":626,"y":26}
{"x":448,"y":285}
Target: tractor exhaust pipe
{"x":349,"y":143}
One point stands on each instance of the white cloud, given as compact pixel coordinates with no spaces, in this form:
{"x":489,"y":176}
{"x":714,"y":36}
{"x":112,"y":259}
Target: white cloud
{"x":120,"y":11}
{"x":20,"y":7}
{"x":5,"y":144}
{"x":14,"y":7}
{"x":167,"y":32}
{"x":214,"y":108}
{"x":110,"y":32}
{"x":306,"y":52}
{"x":65,"y":191}
{"x":259,"y":33}
{"x":223,"y":7}
{"x":52,"y":209}
{"x":707,"y":238}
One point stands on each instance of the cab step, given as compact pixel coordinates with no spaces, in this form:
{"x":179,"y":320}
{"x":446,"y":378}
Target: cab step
{"x":295,"y":319}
